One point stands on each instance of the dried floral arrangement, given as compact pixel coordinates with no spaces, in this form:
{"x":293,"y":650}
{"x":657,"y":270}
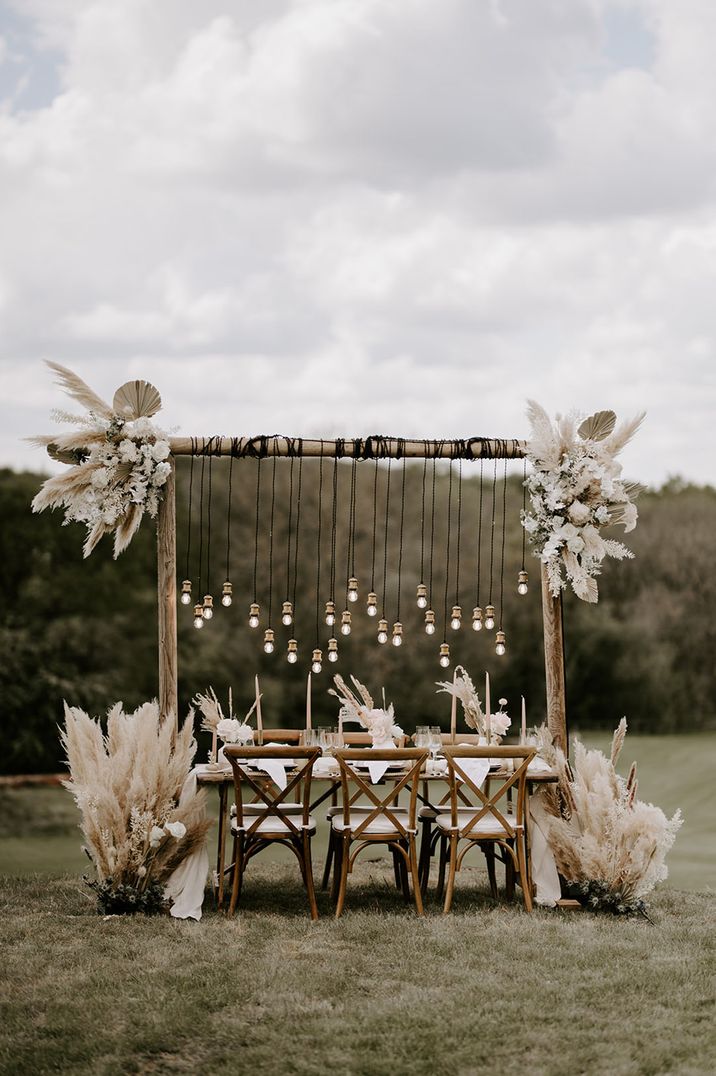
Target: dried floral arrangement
{"x":380,"y":723}
{"x":575,"y":489}
{"x":227,"y":729}
{"x":465,"y":691}
{"x":137,"y":824}
{"x":609,"y":846}
{"x":118,"y":461}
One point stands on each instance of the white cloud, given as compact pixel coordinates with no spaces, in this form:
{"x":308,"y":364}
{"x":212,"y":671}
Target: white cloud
{"x":348,"y":215}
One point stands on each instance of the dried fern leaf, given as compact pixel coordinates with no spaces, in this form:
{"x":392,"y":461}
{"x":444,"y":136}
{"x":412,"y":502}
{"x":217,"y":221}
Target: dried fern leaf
{"x":597,"y":426}
{"x":136,"y":399}
{"x":75,"y":387}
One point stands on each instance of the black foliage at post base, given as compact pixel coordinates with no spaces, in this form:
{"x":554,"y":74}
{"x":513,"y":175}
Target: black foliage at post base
{"x":85,"y":630}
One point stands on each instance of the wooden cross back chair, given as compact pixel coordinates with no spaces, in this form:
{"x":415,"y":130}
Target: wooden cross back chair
{"x":270,"y":818}
{"x":491,"y":820}
{"x":380,"y":820}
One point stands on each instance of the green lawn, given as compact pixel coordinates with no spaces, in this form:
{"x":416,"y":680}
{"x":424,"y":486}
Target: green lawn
{"x":377,"y":992}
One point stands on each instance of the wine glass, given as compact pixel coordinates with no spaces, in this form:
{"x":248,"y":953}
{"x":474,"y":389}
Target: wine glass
{"x":435,"y":743}
{"x":422,"y":736}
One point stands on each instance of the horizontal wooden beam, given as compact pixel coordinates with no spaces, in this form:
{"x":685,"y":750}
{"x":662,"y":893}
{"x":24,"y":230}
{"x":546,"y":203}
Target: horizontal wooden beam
{"x":471,"y":448}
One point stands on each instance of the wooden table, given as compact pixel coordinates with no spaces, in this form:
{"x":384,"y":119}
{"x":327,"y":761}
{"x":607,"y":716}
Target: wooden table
{"x":223,"y":780}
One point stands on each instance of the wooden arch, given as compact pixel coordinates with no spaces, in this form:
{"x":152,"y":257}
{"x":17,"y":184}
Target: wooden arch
{"x":362,"y":448}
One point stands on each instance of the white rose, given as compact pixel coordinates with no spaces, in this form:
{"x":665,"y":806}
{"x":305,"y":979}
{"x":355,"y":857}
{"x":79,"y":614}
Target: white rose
{"x":576,"y":544}
{"x":156,"y":836}
{"x":128,"y":451}
{"x":177,"y":829}
{"x":160,"y":451}
{"x":232,"y":731}
{"x":578,"y":513}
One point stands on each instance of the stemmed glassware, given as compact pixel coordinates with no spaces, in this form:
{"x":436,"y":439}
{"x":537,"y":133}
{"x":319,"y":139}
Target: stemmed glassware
{"x":435,"y":743}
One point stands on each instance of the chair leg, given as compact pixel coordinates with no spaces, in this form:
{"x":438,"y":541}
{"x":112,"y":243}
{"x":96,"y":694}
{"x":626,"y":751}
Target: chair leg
{"x":329,"y":860}
{"x":345,"y":858}
{"x":524,"y":873}
{"x":441,"y":868}
{"x":238,"y":871}
{"x":403,"y":866}
{"x":396,"y":869}
{"x":424,"y":861}
{"x":489,"y":850}
{"x":509,"y":877}
{"x":413,"y":855}
{"x":337,"y":867}
{"x":308,"y":873}
{"x":451,"y":874}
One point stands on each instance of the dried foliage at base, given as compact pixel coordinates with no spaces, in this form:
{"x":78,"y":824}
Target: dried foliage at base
{"x":137,"y":825}
{"x":609,"y":846}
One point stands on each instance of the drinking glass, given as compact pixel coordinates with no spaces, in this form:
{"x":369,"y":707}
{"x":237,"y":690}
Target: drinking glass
{"x":435,"y":743}
{"x":422,"y":736}
{"x":327,"y":740}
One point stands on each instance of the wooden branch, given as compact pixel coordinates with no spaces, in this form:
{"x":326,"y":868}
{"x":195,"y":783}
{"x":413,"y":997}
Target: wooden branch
{"x":554,"y":665}
{"x":167,"y":593}
{"x":471,"y":448}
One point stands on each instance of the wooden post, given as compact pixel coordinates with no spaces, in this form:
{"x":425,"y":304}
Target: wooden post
{"x":167,"y":593}
{"x":554,"y":665}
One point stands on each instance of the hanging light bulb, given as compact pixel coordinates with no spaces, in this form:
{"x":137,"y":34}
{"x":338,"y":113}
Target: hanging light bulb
{"x":444,"y":655}
{"x":372,"y":607}
{"x":333,"y":650}
{"x":330,"y":613}
{"x":422,"y":596}
{"x":522,"y":586}
{"x":316,"y":665}
{"x":352,"y":589}
{"x":268,"y":641}
{"x":500,"y":643}
{"x":185,"y":598}
{"x":292,"y":653}
{"x":456,"y":617}
{"x":208,"y":607}
{"x":382,"y":631}
{"x":429,"y":622}
{"x":489,"y":617}
{"x":253,"y":615}
{"x":227,"y":594}
{"x":345,"y":622}
{"x":477,"y":618}
{"x":198,"y":616}
{"x":397,"y":634}
{"x":287,"y":614}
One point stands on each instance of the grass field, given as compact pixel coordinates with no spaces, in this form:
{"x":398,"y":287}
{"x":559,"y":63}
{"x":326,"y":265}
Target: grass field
{"x":377,"y":992}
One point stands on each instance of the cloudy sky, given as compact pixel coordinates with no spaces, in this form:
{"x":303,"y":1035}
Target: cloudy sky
{"x":354,"y":216}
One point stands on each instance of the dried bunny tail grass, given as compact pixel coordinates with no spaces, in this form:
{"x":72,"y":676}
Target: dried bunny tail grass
{"x":618,"y":740}
{"x":75,"y":387}
{"x":129,"y":780}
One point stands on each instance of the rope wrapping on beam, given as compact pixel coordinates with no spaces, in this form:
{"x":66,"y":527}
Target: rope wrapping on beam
{"x":375,"y":446}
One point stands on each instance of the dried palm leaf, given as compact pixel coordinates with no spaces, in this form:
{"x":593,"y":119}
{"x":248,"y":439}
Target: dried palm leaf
{"x":75,"y":387}
{"x":136,"y":399}
{"x":597,"y":426}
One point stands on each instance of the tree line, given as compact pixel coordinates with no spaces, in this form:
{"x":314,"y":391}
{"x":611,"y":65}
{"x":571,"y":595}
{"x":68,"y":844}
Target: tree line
{"x":85,"y":631}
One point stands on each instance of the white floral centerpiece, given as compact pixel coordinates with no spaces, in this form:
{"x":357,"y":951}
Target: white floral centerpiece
{"x":575,"y":490}
{"x":227,"y":729}
{"x":465,"y":691}
{"x":380,"y":723}
{"x":119,"y":461}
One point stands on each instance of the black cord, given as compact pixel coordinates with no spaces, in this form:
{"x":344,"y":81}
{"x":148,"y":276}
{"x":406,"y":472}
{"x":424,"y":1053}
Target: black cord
{"x":352,"y":532}
{"x":201,"y":524}
{"x":447,"y":555}
{"x":290,"y":526}
{"x":432,"y":536}
{"x":422,"y":517}
{"x":524,"y":508}
{"x":479,"y":533}
{"x":400,"y":540}
{"x":256,"y":533}
{"x":188,"y":530}
{"x":273,"y":503}
{"x":492,"y":529}
{"x":208,"y":537}
{"x":228,"y":519}
{"x":318,"y":545}
{"x":504,"y":527}
{"x":334,"y":520}
{"x":385,"y":544}
{"x":459,"y":525}
{"x":375,"y":524}
{"x":298,"y":532}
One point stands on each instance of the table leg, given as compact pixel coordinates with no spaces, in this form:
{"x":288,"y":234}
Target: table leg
{"x":221,"y":850}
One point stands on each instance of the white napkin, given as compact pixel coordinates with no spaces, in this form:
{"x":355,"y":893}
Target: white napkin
{"x":377,"y":769}
{"x":275,"y":768}
{"x":476,"y":769}
{"x":544,"y":870}
{"x":185,"y":887}
{"x":538,"y":767}
{"x":325,"y":767}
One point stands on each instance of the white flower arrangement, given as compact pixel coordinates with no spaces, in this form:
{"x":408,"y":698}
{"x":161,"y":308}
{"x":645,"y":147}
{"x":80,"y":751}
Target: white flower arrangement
{"x":465,"y":692}
{"x":227,"y":729}
{"x":380,"y":723}
{"x":119,"y":461}
{"x":230,"y":730}
{"x":576,"y":489}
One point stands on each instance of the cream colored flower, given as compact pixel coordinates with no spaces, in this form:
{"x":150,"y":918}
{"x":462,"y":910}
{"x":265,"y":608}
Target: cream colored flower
{"x":176,"y":829}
